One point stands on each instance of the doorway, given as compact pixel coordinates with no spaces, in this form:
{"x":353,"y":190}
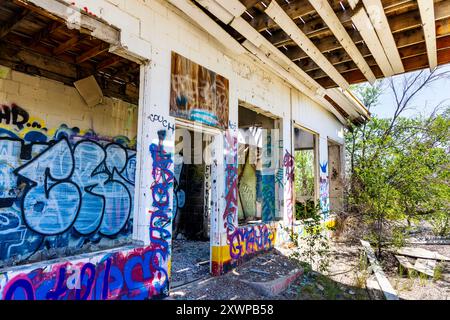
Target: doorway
{"x":305,"y":172}
{"x":259,"y":157}
{"x":192,"y":205}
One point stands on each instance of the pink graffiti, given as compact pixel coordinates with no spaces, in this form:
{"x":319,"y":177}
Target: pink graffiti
{"x":288,"y":163}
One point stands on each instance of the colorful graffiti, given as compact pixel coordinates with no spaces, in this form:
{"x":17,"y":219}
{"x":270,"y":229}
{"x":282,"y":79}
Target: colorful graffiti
{"x":231,"y":187}
{"x":324,"y":190}
{"x":61,"y":191}
{"x":288,"y":163}
{"x":198,"y":94}
{"x":268,"y":197}
{"x":161,"y":213}
{"x":126,"y":275}
{"x":249,"y":240}
{"x":245,"y":241}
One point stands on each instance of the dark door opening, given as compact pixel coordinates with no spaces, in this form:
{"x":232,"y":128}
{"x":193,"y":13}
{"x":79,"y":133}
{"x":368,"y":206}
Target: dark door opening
{"x":192,"y":207}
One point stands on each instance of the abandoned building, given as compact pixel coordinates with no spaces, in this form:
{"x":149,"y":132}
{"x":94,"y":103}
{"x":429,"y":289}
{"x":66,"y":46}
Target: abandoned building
{"x":136,"y":133}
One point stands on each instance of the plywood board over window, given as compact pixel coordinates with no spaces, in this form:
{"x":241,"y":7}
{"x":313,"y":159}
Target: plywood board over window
{"x":198,"y":94}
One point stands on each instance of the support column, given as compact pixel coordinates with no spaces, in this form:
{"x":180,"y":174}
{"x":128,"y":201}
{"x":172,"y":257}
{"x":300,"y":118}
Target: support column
{"x":155,"y":177}
{"x":324,"y":184}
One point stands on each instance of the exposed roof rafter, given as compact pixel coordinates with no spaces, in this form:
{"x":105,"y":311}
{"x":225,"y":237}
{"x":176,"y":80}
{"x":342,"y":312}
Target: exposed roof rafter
{"x":288,"y":25}
{"x":426,"y":8}
{"x":380,"y":23}
{"x":329,"y":16}
{"x":370,"y":37}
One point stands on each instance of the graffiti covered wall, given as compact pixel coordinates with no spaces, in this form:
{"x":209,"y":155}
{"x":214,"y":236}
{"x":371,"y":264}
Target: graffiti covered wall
{"x":133,"y":274}
{"x":64,"y":189}
{"x":239,"y":243}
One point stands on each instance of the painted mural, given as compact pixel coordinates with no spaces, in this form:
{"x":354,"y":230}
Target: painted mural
{"x":198,"y":94}
{"x":134,"y":274}
{"x":61,"y":190}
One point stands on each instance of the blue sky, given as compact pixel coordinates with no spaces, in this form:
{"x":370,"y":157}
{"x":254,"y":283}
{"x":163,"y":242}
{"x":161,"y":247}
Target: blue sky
{"x":423,"y":103}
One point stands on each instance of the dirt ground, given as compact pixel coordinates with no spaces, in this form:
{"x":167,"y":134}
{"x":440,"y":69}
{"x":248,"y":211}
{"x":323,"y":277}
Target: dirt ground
{"x":339,"y":283}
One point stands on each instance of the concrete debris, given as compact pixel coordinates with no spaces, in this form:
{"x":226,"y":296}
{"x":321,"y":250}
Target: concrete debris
{"x":190,"y":261}
{"x":260,"y":271}
{"x":425,"y":266}
{"x":421,"y":253}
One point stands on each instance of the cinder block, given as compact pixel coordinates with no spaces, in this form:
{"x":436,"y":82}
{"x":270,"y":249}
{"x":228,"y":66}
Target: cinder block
{"x":11,"y":87}
{"x":25,"y":79}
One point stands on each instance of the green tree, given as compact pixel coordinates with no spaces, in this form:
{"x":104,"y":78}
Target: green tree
{"x":398,"y":167}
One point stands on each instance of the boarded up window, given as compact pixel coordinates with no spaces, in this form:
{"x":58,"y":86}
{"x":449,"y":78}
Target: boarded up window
{"x":198,"y":94}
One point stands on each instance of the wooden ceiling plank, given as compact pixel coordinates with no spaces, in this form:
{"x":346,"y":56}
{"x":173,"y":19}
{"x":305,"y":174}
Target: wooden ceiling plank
{"x":65,"y":46}
{"x":249,"y":3}
{"x":288,"y":25}
{"x":327,"y":13}
{"x":426,"y":8}
{"x":295,"y":9}
{"x":13,"y":22}
{"x":109,"y":62}
{"x":380,"y":23}
{"x":101,"y":48}
{"x":45,"y":33}
{"x":37,"y":10}
{"x":398,"y":23}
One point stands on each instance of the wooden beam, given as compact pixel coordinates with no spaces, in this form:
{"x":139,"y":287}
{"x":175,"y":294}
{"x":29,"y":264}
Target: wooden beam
{"x":45,"y":32}
{"x":101,"y":48}
{"x":380,"y":23}
{"x":365,"y":28}
{"x":295,"y":9}
{"x":426,"y":8}
{"x":62,"y":11}
{"x":249,"y":3}
{"x":316,"y":27}
{"x":324,"y":9}
{"x":410,"y":43}
{"x":13,"y":22}
{"x":411,"y":63}
{"x":386,"y":287}
{"x":109,"y":62}
{"x":288,"y":25}
{"x":65,"y":46}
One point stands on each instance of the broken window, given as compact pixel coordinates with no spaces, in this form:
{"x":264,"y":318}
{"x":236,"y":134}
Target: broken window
{"x":305,"y":146}
{"x":259,"y":162}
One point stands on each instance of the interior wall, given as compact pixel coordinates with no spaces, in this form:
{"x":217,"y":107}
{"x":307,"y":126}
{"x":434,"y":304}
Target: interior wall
{"x":67,"y":170}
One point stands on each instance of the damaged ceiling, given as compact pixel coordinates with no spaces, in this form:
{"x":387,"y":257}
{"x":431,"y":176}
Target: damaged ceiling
{"x":36,"y":42}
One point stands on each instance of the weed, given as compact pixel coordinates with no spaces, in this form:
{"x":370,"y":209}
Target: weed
{"x":438,"y":271}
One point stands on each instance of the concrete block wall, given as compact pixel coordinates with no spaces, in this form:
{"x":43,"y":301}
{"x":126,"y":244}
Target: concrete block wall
{"x":66,"y":169}
{"x":54,"y":103}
